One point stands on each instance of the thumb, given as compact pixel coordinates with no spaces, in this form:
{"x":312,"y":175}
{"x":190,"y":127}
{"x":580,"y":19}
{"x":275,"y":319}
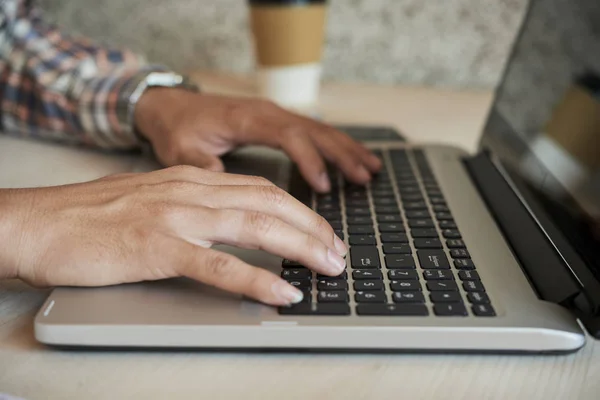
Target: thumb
{"x":200,"y":159}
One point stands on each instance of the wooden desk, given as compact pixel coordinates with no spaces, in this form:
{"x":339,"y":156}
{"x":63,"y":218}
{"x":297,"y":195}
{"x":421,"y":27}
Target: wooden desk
{"x":32,"y":371}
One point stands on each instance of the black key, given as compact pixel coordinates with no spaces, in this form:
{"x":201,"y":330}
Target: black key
{"x":403,"y":275}
{"x":307,"y":295}
{"x":464,"y":264}
{"x":455,"y":244}
{"x":335,"y":296}
{"x":383,"y":185}
{"x":473,"y":286}
{"x":400,"y":262}
{"x":396,"y":249}
{"x":459,"y":253}
{"x":437,"y":200}
{"x":433,"y":259}
{"x":442,"y":286}
{"x":432,"y":243}
{"x":484,"y":310}
{"x":384,"y":201}
{"x":433,"y":191}
{"x":332,"y":197}
{"x":409,"y":189}
{"x":418,"y":214}
{"x":468,"y":275}
{"x":316,"y":309}
{"x":360,"y":221}
{"x":408,"y":297}
{"x":382,"y":210}
{"x":336,"y":225}
{"x":328,"y":207}
{"x":440,"y":208}
{"x":364,"y":257}
{"x":357,"y":203}
{"x":451,"y":234}
{"x":343,"y":275}
{"x":413,"y":197}
{"x":449,"y":309}
{"x":358,"y":211}
{"x":412,"y":286}
{"x":392,"y":309}
{"x":421,"y":223}
{"x":331,"y":216}
{"x":332,"y":284}
{"x":424,"y":233}
{"x":361,"y":230}
{"x":300,"y":283}
{"x":360,"y":274}
{"x":445,"y":297}
{"x":370,"y":297}
{"x":406,"y":179}
{"x":296,"y":273}
{"x":438,"y":275}
{"x":340,"y":234}
{"x":443,"y":216}
{"x":447,"y":225}
{"x":382,"y":193}
{"x":478,"y":298}
{"x":415,"y":205}
{"x":395,"y":227}
{"x":367,"y":285}
{"x":394,"y":238}
{"x":389,"y":218}
{"x":356,"y":195}
{"x":362,"y":240}
{"x":290,"y":264}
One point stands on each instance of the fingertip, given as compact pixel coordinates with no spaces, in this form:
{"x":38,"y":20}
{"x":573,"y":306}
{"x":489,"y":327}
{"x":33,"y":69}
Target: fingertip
{"x":285,"y":294}
{"x":362,"y":176}
{"x":323,"y":184}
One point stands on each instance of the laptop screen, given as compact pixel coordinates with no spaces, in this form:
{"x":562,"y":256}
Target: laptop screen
{"x":544,"y":126}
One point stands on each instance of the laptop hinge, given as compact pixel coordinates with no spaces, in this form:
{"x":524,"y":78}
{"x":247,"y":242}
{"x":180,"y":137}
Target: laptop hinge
{"x":541,"y":262}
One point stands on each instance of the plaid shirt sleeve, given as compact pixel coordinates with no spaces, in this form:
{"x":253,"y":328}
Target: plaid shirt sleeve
{"x":57,"y":87}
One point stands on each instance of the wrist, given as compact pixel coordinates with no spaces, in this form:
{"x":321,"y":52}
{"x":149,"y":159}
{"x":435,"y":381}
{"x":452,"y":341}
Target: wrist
{"x":12,"y":223}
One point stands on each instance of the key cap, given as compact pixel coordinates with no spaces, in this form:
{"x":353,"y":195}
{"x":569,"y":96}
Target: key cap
{"x":412,"y":286}
{"x":468,"y":275}
{"x":424,"y":233}
{"x":421,"y":223}
{"x":473,"y":286}
{"x":390,"y":248}
{"x":447,"y":225}
{"x":403,"y":275}
{"x":358,"y":211}
{"x":438,"y":275}
{"x":415,"y":205}
{"x":316,"y":309}
{"x":451,"y":234}
{"x":445,"y":297}
{"x":413,"y":198}
{"x":332,"y":197}
{"x":483,"y":310}
{"x":409,"y":189}
{"x":455,"y":244}
{"x":389,"y":218}
{"x":464,"y":263}
{"x":394,"y":238}
{"x":362,"y":240}
{"x":331,"y":216}
{"x":440,"y":208}
{"x":418,"y":214}
{"x":364,"y":257}
{"x":343,"y":276}
{"x":361,"y":230}
{"x":383,"y":210}
{"x":395,"y":227}
{"x":392,"y":309}
{"x":478,"y":298}
{"x":300,"y":283}
{"x":437,"y":200}
{"x":366,"y":285}
{"x":290,"y":264}
{"x":336,"y":225}
{"x":433,"y":259}
{"x":380,"y":193}
{"x":442,"y":286}
{"x":360,"y":221}
{"x":331,"y":284}
{"x":359,"y":274}
{"x":328,"y":207}
{"x":384,"y":201}
{"x":400,"y":262}
{"x":335,"y":296}
{"x":370,"y":297}
{"x":459,"y":253}
{"x":357,"y":203}
{"x":384,"y":185}
{"x":443,"y":216}
{"x":433,"y":191}
{"x":449,"y":309}
{"x":408,"y":297}
{"x":429,"y":243}
{"x":296,"y":273}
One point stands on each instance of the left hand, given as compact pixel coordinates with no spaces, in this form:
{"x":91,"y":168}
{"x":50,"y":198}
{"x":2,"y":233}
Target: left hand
{"x":195,"y":129}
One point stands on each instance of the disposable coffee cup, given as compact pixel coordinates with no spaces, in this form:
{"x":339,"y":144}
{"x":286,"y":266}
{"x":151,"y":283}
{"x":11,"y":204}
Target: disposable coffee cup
{"x":288,"y":39}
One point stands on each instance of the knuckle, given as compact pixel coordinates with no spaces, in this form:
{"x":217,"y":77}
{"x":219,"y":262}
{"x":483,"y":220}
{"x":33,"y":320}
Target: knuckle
{"x":167,"y":213}
{"x":319,"y":224}
{"x":220,"y":265}
{"x":259,"y":181}
{"x":273,"y":196}
{"x":176,"y":187}
{"x":259,"y":222}
{"x":183,"y":171}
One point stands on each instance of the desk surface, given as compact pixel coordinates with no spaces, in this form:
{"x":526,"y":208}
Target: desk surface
{"x":32,"y":371}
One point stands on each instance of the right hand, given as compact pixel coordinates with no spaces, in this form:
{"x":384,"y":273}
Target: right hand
{"x":138,"y":227}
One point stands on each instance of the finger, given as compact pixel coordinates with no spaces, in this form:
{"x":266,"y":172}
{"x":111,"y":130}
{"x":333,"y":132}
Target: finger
{"x":186,"y":173}
{"x":227,"y":272}
{"x":300,"y":148}
{"x":370,"y":160}
{"x":255,"y":230}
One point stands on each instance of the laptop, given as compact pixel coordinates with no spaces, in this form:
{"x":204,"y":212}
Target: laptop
{"x":449,"y":252}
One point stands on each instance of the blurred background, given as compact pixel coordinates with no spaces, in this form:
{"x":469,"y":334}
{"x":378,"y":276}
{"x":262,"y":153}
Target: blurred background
{"x":449,"y":43}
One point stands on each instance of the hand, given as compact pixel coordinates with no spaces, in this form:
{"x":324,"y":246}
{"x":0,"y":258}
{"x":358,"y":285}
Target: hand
{"x":137,"y":227}
{"x":195,"y":129}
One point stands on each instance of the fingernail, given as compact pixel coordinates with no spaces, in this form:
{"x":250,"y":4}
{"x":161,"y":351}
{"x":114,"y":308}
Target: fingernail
{"x":338,"y":263}
{"x":324,"y":183}
{"x":340,"y":247}
{"x":286,"y":293}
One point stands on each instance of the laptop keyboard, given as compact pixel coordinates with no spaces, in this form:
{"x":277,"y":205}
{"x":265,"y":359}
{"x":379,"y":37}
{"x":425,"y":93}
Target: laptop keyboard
{"x":407,"y":256}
